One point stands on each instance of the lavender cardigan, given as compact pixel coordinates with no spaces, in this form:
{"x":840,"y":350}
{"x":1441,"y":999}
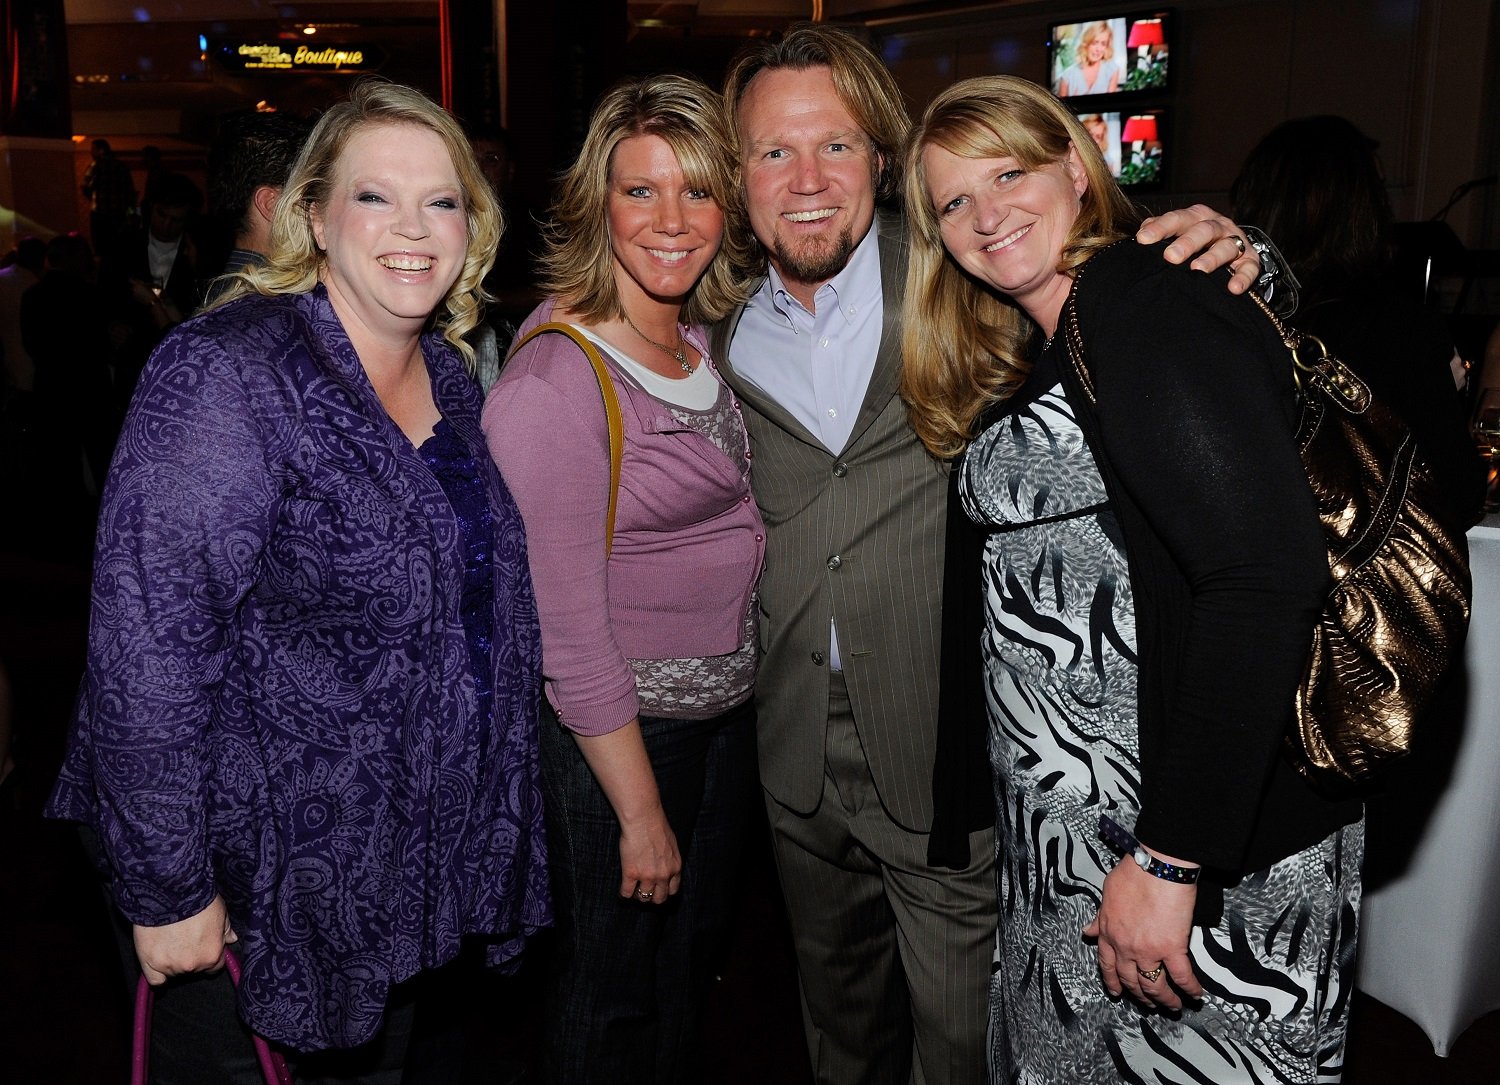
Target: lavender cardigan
{"x":689,"y":542}
{"x":279,"y":704}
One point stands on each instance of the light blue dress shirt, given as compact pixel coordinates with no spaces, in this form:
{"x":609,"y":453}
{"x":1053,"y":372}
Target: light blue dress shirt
{"x":816,"y":364}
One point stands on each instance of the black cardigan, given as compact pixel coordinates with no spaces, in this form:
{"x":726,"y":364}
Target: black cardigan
{"x":1194,"y":437}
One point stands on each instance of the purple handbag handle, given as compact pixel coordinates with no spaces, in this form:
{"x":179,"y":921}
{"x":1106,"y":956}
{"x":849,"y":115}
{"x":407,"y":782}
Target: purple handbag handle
{"x":272,"y":1065}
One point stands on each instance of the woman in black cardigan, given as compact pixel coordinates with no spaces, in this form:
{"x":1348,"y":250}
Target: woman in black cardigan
{"x":1151,"y":576}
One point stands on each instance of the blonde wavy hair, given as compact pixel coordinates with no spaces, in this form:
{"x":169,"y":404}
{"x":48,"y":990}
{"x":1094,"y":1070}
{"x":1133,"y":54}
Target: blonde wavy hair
{"x":295,"y":261}
{"x":964,"y":346}
{"x":576,"y":264}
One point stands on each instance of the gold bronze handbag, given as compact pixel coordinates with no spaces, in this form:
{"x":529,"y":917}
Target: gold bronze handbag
{"x":1395,"y":619}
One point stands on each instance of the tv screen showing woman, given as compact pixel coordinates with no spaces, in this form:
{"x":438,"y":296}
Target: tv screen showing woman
{"x":1110,"y":56}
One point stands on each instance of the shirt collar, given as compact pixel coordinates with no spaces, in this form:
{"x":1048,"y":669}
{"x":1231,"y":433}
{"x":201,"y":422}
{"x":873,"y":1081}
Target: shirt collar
{"x":850,"y":291}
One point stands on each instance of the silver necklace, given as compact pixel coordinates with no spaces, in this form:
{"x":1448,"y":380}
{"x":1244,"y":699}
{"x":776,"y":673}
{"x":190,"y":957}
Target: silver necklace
{"x":678,"y":353}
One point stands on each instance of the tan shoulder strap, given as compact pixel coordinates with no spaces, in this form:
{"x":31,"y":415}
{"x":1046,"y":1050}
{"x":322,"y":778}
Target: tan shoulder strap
{"x":611,"y":411}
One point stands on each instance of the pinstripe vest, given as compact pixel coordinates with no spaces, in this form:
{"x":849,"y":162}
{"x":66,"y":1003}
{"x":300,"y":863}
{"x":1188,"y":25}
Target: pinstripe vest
{"x":858,"y":537}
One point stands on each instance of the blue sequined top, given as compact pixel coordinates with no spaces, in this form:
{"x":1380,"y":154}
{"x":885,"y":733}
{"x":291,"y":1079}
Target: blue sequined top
{"x":462,"y":481}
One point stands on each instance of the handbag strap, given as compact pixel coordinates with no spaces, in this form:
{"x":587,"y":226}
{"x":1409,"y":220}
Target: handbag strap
{"x":1311,"y":358}
{"x":611,"y":411}
{"x":272,"y":1063}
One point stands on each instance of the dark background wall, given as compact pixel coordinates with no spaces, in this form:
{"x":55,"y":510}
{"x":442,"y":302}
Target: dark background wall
{"x":1420,"y":76}
{"x":1417,"y":75}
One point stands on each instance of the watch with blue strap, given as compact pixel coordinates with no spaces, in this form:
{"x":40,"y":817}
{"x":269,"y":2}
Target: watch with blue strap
{"x":1123,"y":840}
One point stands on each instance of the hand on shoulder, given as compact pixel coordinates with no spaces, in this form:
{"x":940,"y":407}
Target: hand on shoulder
{"x":1206,"y":241}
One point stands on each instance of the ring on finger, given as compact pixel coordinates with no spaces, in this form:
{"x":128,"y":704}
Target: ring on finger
{"x":644,"y":894}
{"x":1239,"y":242}
{"x":1154,"y":974}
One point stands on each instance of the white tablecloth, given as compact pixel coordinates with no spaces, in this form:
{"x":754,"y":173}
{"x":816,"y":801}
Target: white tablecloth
{"x":1430,"y":928}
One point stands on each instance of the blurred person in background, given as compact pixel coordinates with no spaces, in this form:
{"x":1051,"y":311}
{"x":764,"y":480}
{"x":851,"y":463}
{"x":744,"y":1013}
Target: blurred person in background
{"x":108,"y":187}
{"x":511,"y":283}
{"x":151,"y":277}
{"x":1316,"y":186}
{"x":20,"y":274}
{"x":153,"y":169}
{"x":248,"y":165}
{"x":65,"y":330}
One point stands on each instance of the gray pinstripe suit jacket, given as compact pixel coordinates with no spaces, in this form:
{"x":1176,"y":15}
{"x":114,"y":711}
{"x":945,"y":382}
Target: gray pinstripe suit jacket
{"x":857,"y":536}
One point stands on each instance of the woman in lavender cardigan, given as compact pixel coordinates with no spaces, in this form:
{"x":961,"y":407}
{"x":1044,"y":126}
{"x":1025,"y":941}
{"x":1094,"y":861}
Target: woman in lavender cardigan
{"x":649,"y":648}
{"x":308,"y":723}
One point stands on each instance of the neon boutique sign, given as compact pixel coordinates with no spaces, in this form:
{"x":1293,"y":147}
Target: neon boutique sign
{"x":259,"y":57}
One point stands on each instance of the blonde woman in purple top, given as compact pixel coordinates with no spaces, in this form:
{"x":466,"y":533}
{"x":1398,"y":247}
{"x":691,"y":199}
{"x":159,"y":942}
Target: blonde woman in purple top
{"x":649,"y":639}
{"x":308,"y":724}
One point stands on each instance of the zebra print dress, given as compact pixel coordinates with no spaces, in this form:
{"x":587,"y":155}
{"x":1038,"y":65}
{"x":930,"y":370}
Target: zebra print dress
{"x":1061,"y":691}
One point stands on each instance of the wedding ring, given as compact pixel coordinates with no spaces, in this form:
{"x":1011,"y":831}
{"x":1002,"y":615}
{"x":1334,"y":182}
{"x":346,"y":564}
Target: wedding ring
{"x":644,"y":894}
{"x":1239,"y":242}
{"x":1154,"y":974}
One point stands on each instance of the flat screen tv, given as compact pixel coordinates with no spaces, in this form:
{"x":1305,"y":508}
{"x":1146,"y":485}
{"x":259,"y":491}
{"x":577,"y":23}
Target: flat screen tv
{"x":1133,"y":144}
{"x":1119,"y":54}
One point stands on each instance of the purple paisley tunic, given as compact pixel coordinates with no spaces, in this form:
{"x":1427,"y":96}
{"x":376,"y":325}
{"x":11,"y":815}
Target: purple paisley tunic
{"x":282,"y":702}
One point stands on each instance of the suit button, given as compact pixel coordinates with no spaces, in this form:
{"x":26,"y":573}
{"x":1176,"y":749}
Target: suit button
{"x":835,"y":561}
{"x":840,"y":469}
{"x":817,"y":657}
